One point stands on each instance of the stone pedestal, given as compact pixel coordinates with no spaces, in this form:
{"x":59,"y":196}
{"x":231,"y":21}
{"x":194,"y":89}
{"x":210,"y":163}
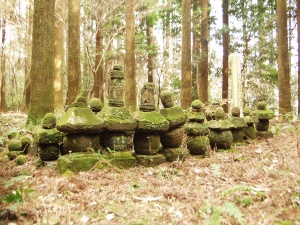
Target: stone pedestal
{"x":251,"y":120}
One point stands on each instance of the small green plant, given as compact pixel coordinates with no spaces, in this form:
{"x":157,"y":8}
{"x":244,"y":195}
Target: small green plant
{"x":216,"y":170}
{"x":14,"y":196}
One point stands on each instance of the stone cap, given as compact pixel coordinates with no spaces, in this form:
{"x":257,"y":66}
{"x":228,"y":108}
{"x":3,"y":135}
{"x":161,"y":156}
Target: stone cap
{"x":79,"y":120}
{"x":175,"y":116}
{"x":116,"y":119}
{"x":150,"y":122}
{"x":238,"y":122}
{"x":49,"y":121}
{"x":219,"y":124}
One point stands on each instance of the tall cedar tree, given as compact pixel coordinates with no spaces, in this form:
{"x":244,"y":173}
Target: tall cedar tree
{"x":3,"y":83}
{"x":74,"y":72}
{"x":196,"y":47}
{"x":225,"y":55}
{"x":298,"y":38}
{"x":99,"y":74}
{"x":149,"y":32}
{"x":130,"y":75}
{"x":186,"y":75}
{"x":203,"y":78}
{"x":42,"y":64}
{"x":58,"y":56}
{"x":283,"y":59}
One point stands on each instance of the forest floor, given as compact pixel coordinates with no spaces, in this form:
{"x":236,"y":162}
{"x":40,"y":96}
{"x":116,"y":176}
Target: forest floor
{"x":254,"y":183}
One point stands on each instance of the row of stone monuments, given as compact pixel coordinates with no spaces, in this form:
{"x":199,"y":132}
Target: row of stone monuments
{"x":89,"y":135}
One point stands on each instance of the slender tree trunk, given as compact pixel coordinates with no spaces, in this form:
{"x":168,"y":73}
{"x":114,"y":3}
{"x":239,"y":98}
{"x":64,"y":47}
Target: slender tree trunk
{"x":74,"y":71}
{"x":225,"y":55}
{"x":149,"y":32}
{"x":130,"y":75}
{"x":283,"y":59}
{"x":167,"y":65}
{"x":42,"y":66}
{"x":28,"y":48}
{"x":99,"y":79}
{"x":298,"y":39}
{"x":3,"y":82}
{"x":186,"y":75}
{"x":58,"y":57}
{"x":196,"y":47}
{"x":203,"y":78}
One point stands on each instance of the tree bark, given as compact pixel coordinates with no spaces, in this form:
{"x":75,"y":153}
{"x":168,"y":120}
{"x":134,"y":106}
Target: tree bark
{"x":149,"y":32}
{"x":42,"y":66}
{"x":203,"y":78}
{"x":225,"y":55}
{"x":58,"y":57}
{"x":196,"y":47}
{"x":74,"y":71}
{"x":3,"y":82}
{"x":99,"y":79}
{"x":298,"y":40}
{"x":186,"y":75}
{"x":130,"y":74}
{"x":283,"y":59}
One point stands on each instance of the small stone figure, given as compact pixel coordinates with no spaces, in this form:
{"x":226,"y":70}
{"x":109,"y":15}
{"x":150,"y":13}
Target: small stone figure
{"x":196,"y":130}
{"x":171,"y":140}
{"x":149,"y":125}
{"x":239,"y":124}
{"x":81,"y":127}
{"x":263,"y":115}
{"x":117,"y":123}
{"x":251,"y":120}
{"x":48,"y":138}
{"x":220,"y":135}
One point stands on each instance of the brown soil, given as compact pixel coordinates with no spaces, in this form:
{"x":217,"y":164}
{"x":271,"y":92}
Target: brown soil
{"x":255,"y":183}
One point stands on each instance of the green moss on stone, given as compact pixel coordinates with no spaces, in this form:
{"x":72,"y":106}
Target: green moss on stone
{"x":26,"y":141}
{"x":48,"y":136}
{"x":20,"y":160}
{"x":250,"y":132}
{"x":174,"y":154}
{"x":146,"y":144}
{"x":12,"y":134}
{"x":236,"y":112}
{"x":79,"y":120}
{"x":264,"y":134}
{"x":114,"y":140}
{"x":81,"y":143}
{"x":195,"y":116}
{"x":262,"y":125}
{"x":197,"y":104}
{"x":116,"y":119}
{"x":175,"y":116}
{"x":196,"y":129}
{"x":167,"y":99}
{"x":262,"y":105}
{"x":238,"y":122}
{"x":150,"y":160}
{"x":219,"y":113}
{"x":150,"y":122}
{"x":95,"y":104}
{"x":172,"y":138}
{"x":122,"y":160}
{"x":48,"y":152}
{"x":221,"y":139}
{"x":15,"y":145}
{"x":219,"y":124}
{"x":198,"y":145}
{"x":49,"y":121}
{"x":238,"y":135}
{"x":264,"y":114}
{"x":81,"y":162}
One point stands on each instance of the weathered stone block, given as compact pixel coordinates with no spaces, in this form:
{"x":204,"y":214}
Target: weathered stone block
{"x":172,"y":138}
{"x":150,"y":160}
{"x":198,"y":145}
{"x":114,"y":140}
{"x":174,"y":154}
{"x":81,"y":142}
{"x":146,"y":144}
{"x":175,"y":116}
{"x":150,"y":122}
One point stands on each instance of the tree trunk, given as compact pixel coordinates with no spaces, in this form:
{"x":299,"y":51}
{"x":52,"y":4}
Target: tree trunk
{"x":42,"y":66}
{"x":149,"y":32}
{"x":298,"y":39}
{"x":58,"y":57}
{"x":99,"y":79}
{"x":225,"y":55}
{"x":3,"y":83}
{"x":130,"y":75}
{"x":28,"y":48}
{"x":196,"y":47}
{"x":186,"y":75}
{"x":203,"y":78}
{"x":283,"y":59}
{"x":74,"y":71}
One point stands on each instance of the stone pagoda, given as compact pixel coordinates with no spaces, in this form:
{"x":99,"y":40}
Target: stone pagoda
{"x":196,"y":130}
{"x":264,"y":115}
{"x":149,"y":126}
{"x":118,"y":124}
{"x":239,"y":124}
{"x":171,"y":140}
{"x":251,"y":120}
{"x":220,"y":135}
